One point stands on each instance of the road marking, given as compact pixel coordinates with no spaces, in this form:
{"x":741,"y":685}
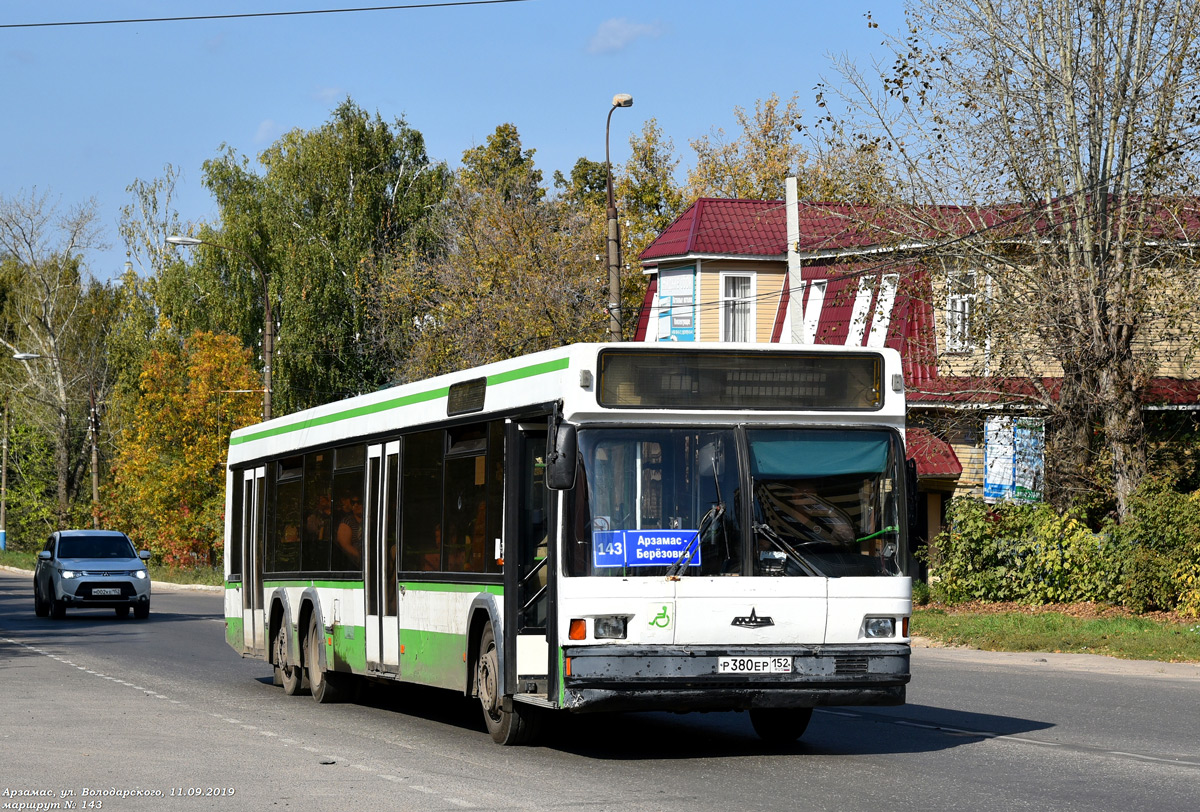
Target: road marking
{"x":1152,"y":758}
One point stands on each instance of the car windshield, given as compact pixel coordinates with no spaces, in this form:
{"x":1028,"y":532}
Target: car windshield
{"x":821,"y":502}
{"x":95,"y":547}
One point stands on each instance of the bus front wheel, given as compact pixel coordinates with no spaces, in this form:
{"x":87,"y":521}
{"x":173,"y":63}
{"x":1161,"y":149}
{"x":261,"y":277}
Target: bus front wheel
{"x":516,"y":726}
{"x":287,"y":674}
{"x":780,"y":726}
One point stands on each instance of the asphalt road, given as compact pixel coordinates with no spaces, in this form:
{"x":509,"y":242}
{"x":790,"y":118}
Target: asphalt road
{"x":164,"y":706}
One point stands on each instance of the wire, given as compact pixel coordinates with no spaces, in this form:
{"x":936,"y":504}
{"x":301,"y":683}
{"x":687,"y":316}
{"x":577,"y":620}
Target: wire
{"x":405,"y":7}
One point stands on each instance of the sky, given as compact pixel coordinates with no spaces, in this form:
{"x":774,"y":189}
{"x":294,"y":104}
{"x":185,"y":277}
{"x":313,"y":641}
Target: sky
{"x":89,"y":109}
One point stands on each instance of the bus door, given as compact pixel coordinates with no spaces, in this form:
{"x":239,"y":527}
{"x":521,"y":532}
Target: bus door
{"x":529,"y":561}
{"x":253,"y":523}
{"x":382,"y":532}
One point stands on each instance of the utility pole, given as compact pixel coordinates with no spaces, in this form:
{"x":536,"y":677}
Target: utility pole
{"x":4,"y":486}
{"x":94,"y":430}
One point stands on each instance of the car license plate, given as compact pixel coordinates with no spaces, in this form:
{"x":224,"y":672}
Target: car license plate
{"x":106,"y":591}
{"x":754,"y":665}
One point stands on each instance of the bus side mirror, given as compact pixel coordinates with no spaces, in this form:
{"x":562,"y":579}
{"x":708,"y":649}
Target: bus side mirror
{"x":561,"y":453}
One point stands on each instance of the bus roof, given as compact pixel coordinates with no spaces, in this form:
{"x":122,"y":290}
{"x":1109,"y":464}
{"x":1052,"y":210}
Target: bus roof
{"x":568,"y":375}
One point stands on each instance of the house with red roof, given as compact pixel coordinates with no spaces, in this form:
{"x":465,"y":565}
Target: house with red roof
{"x":832,"y":273}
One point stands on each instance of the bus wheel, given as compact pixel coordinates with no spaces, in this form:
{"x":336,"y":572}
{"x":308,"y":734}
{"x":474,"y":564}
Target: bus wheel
{"x":518,"y":726}
{"x":287,"y":674}
{"x":780,"y":726}
{"x":326,"y":686}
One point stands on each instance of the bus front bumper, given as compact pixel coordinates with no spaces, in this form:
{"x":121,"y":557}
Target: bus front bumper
{"x":692,"y":678}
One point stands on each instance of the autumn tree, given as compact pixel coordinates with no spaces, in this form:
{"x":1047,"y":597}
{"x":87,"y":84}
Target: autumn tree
{"x":513,"y":272}
{"x":168,"y":485}
{"x":1066,"y":134}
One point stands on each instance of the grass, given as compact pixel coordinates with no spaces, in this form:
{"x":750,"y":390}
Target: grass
{"x":1125,"y":636}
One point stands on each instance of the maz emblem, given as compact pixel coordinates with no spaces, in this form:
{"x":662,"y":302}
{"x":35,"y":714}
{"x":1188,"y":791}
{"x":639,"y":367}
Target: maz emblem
{"x":752,"y":621}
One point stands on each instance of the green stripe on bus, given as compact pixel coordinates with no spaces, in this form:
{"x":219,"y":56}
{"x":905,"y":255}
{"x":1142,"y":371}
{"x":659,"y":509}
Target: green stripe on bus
{"x":396,"y":403}
{"x":235,"y":632}
{"x":429,"y":586}
{"x":433,"y":658}
{"x":349,"y":649}
{"x":529,"y":372}
{"x":321,"y":584}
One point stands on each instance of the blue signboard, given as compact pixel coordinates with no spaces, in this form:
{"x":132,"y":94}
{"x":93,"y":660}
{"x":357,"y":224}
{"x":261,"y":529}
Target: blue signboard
{"x":643,"y":548}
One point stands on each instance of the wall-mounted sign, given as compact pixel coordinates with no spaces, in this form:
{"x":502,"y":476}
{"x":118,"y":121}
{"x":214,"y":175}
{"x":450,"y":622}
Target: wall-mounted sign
{"x":677,"y":304}
{"x":1014,"y":459}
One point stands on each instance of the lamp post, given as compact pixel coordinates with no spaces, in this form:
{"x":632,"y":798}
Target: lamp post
{"x":268,"y":318}
{"x":614,"y":239}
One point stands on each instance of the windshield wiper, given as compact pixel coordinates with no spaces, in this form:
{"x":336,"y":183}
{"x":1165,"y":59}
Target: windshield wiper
{"x":689,"y":551}
{"x":788,"y":550}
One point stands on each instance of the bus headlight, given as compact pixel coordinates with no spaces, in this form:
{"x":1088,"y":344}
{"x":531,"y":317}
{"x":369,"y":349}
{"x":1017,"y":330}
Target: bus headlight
{"x":877,"y":627}
{"x":610,"y":628}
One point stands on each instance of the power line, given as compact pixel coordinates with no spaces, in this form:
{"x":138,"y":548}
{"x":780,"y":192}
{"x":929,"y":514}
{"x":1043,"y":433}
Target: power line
{"x":247,"y":15}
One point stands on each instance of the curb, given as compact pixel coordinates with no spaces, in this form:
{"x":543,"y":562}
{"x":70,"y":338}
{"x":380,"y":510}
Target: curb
{"x":168,"y":586}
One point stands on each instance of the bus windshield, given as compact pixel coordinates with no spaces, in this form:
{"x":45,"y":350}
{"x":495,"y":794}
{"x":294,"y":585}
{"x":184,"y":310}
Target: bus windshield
{"x":822,"y":502}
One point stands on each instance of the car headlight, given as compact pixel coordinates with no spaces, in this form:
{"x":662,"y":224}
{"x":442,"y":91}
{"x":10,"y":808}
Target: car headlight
{"x":139,"y":574}
{"x":69,"y":573}
{"x":876,"y":627}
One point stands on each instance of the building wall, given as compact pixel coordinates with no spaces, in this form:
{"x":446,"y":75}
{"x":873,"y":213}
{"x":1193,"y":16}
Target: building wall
{"x":769,"y":278}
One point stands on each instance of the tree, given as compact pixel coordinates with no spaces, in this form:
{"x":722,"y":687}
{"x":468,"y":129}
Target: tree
{"x":52,"y":310}
{"x":168,"y":484}
{"x":587,"y":185}
{"x":756,"y":163}
{"x":1068,"y":133}
{"x":648,"y":194}
{"x":513,"y":272}
{"x":331,"y":204}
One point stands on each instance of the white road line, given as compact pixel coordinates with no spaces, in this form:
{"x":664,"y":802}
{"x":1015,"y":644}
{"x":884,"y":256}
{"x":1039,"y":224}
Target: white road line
{"x":1152,"y":758}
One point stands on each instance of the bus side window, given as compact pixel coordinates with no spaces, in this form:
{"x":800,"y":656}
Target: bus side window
{"x":318,"y":510}
{"x":421,"y":502}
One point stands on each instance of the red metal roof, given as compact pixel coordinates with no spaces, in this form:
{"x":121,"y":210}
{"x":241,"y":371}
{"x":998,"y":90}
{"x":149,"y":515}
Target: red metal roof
{"x":933,"y":455}
{"x":759,"y":227}
{"x":717,"y":226}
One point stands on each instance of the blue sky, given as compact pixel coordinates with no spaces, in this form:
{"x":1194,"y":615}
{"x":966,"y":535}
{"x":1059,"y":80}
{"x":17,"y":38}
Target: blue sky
{"x":89,"y":109}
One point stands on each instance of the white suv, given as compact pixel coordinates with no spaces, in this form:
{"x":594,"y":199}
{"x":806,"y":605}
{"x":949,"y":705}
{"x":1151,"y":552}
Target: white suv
{"x":91,"y":569}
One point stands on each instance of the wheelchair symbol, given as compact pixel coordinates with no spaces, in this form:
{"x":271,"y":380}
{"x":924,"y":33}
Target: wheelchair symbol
{"x":662,"y":620}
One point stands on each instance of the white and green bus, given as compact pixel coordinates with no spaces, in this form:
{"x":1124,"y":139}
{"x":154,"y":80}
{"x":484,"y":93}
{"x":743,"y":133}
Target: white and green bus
{"x":600,"y":527}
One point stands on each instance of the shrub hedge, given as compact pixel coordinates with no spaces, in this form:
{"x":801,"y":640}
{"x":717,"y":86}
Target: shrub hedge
{"x":1037,"y":555}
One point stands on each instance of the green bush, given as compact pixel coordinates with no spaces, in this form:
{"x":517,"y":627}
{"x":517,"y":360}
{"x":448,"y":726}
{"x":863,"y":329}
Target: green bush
{"x":1026,"y":553}
{"x":1034,"y":554}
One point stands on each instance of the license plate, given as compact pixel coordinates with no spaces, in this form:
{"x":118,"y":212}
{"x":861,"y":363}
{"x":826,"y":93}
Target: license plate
{"x":106,"y":591}
{"x":754,"y":665}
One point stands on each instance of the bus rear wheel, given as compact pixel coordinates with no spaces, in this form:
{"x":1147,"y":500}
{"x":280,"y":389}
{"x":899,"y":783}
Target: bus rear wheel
{"x":517,"y":726}
{"x":326,"y":686}
{"x":780,"y":726}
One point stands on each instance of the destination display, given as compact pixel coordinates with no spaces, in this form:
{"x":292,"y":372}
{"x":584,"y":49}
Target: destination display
{"x":643,"y":548}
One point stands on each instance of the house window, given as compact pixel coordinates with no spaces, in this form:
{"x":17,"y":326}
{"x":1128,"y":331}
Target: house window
{"x":737,"y":307}
{"x":960,"y":311}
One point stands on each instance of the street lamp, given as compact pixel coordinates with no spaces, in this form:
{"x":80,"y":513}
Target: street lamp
{"x":614,"y":239}
{"x":268,"y":319}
